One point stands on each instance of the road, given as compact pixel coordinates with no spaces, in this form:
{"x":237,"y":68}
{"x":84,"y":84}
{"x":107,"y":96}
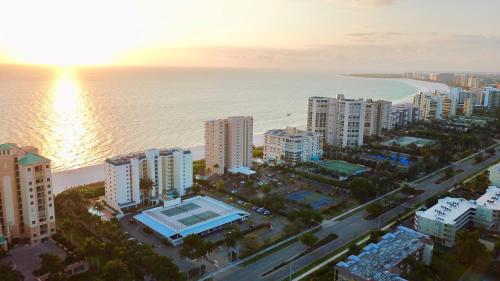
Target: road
{"x":347,"y":229}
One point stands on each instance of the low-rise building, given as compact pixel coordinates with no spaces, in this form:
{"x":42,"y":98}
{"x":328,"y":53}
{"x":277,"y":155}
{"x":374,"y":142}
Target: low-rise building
{"x":292,"y":145}
{"x":170,"y":171}
{"x":385,"y":261}
{"x":443,"y":220}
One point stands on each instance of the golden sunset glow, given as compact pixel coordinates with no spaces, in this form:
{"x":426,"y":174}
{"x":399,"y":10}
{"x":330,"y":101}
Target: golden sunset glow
{"x":69,"y":119}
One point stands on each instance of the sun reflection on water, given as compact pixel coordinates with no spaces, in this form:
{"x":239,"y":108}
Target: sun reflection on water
{"x":70,"y":128}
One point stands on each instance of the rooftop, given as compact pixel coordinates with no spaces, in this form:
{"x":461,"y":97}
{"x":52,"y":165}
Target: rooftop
{"x":292,"y":133}
{"x":125,"y":158}
{"x":491,"y":199}
{"x":31,"y":158}
{"x":242,"y":170}
{"x":7,"y":145}
{"x":378,"y":261}
{"x":447,"y":210}
{"x":191,"y":216}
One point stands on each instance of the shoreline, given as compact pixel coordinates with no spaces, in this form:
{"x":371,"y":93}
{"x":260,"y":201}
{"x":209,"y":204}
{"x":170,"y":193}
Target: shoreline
{"x":66,"y":179}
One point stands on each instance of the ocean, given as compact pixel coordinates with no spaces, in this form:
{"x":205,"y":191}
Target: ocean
{"x":80,"y":117}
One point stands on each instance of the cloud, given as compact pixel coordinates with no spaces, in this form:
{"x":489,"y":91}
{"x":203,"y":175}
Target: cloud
{"x":410,"y":52}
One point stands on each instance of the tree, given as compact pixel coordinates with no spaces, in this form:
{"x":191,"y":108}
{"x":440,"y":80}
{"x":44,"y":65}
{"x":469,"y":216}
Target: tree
{"x":469,"y":249}
{"x":93,"y":248}
{"x":145,"y":185}
{"x":115,"y":270}
{"x":52,"y":264}
{"x":308,"y":239}
{"x":375,"y":209}
{"x":196,"y":188}
{"x":232,"y":236}
{"x":195,"y":248}
{"x":266,"y":188}
{"x":7,"y":271}
{"x":98,"y":206}
{"x":219,"y":185}
{"x":309,"y":217}
{"x":362,"y":189}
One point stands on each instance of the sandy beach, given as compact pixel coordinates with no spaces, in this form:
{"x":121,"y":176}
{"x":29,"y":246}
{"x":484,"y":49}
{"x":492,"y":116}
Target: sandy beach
{"x":67,"y":179}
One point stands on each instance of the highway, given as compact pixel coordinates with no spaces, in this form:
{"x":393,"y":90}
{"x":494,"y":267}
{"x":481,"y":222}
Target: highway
{"x":347,"y":229}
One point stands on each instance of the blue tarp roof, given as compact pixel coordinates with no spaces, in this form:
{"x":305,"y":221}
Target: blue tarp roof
{"x":155,"y":225}
{"x":198,"y":228}
{"x":211,"y":224}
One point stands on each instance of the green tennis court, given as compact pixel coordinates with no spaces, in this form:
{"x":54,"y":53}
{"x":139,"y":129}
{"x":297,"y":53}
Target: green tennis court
{"x":194,"y":219}
{"x":343,"y":168}
{"x":179,"y":210}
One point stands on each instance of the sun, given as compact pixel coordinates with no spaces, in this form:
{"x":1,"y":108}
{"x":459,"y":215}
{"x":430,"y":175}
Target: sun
{"x":69,"y":33}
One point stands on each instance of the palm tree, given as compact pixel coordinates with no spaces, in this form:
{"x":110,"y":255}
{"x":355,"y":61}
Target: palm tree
{"x":232,"y":237}
{"x":145,"y":185}
{"x":93,"y":248}
{"x":98,"y":206}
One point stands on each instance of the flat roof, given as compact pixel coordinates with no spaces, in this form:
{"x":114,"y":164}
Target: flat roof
{"x":242,"y":170}
{"x":191,"y":216}
{"x":376,"y":260}
{"x":491,"y":199}
{"x":447,"y":210}
{"x":125,"y":158}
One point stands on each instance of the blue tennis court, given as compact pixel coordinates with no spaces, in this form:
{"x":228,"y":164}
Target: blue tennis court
{"x":316,"y":200}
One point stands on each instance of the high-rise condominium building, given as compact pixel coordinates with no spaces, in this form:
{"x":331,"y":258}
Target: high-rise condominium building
{"x":228,"y":143}
{"x":170,"y":172}
{"x":435,"y":105}
{"x":27,"y":202}
{"x":377,"y":117}
{"x":341,"y":121}
{"x":404,"y":114}
{"x":292,"y":145}
{"x":468,"y":107}
{"x":490,"y":97}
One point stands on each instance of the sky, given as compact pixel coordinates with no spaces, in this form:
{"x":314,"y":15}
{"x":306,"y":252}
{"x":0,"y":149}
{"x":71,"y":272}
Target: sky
{"x":342,"y":35}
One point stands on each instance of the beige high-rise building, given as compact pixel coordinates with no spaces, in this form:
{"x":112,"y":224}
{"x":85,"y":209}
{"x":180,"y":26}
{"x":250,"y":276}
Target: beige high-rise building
{"x":377,"y":117}
{"x":468,"y":107}
{"x":27,"y":202}
{"x":228,"y":143}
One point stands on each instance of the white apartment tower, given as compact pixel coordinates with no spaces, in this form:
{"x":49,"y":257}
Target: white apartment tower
{"x":292,"y":146}
{"x":340,"y":121}
{"x":170,"y":170}
{"x":228,"y":143}
{"x":435,"y":105}
{"x":26,"y":198}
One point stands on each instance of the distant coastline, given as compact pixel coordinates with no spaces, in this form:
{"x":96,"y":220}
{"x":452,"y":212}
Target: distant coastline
{"x":421,"y":85}
{"x":375,"y":75}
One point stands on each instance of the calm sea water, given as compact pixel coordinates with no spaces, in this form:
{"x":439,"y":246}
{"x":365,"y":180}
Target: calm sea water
{"x":81,"y":117}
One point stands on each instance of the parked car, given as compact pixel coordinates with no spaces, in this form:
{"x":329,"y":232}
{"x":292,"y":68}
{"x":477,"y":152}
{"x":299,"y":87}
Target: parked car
{"x":266,"y":213}
{"x":240,"y":202}
{"x":234,"y":191}
{"x":261,"y":210}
